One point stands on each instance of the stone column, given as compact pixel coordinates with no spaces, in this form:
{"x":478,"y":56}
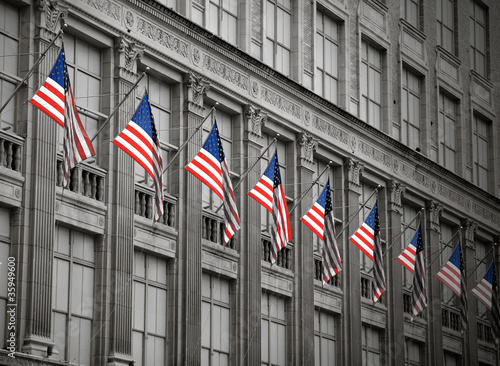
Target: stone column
{"x":249,"y":332}
{"x":470,"y":352}
{"x":190,"y":224}
{"x":303,"y":317}
{"x":120,"y":190}
{"x":351,"y":268}
{"x":40,"y":196}
{"x":395,"y":318}
{"x":434,"y":349}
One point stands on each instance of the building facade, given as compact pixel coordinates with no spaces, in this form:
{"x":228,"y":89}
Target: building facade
{"x":398,"y":97}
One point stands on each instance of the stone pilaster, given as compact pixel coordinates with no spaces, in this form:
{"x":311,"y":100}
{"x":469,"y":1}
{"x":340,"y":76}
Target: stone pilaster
{"x":395,"y":318}
{"x":40,"y":201}
{"x":250,"y":243}
{"x":303,"y":316}
{"x":190,"y":224}
{"x":351,"y":268}
{"x":120,"y":189}
{"x":434,"y":349}
{"x":470,"y":351}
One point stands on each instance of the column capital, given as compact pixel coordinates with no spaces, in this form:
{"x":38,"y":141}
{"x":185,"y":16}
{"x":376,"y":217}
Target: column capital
{"x":307,"y":144}
{"x":469,"y":229}
{"x":353,"y":171}
{"x":435,"y":210}
{"x":53,"y":16}
{"x":197,"y":87}
{"x":396,"y":190}
{"x":256,"y":117}
{"x":128,"y":54}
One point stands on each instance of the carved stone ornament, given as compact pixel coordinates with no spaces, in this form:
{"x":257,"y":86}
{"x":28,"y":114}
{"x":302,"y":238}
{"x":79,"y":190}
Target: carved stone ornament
{"x":197,"y":87}
{"x":354,"y":169}
{"x":307,"y":145}
{"x":470,"y":228}
{"x":52,"y":11}
{"x":255,"y":117}
{"x":435,"y":209}
{"x":396,"y":191}
{"x":130,"y":52}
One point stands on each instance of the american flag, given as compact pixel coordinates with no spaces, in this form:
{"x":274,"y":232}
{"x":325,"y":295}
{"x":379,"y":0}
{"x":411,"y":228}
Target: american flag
{"x":364,"y":237}
{"x":407,"y":258}
{"x":452,"y":275}
{"x":378,"y":284}
{"x":495,"y":307}
{"x":269,"y":193}
{"x":210,"y":166}
{"x":140,"y":140}
{"x":321,"y":221}
{"x":418,"y":296}
{"x":55,"y":99}
{"x":484,"y":289}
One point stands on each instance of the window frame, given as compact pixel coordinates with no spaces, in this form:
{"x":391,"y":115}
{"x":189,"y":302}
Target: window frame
{"x":273,"y":320}
{"x":480,"y":67}
{"x":370,"y":90}
{"x":286,"y":66}
{"x":405,"y":10}
{"x":443,"y":25}
{"x":448,"y":146}
{"x":480,"y":162}
{"x":319,"y":335}
{"x":321,"y":60}
{"x":410,"y":126}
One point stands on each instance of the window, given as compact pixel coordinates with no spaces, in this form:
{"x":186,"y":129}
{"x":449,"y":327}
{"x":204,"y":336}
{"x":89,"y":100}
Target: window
{"x":273,"y":336}
{"x":266,"y":216}
{"x":85,"y":71}
{"x":327,"y":46}
{"x":451,"y":359}
{"x":277,"y":41}
{"x":73,"y":295}
{"x":160,"y":99}
{"x":413,"y":353}
{"x":168,"y":3}
{"x":149,"y":310}
{"x":480,"y":154}
{"x":410,"y":11}
{"x":478,"y":16}
{"x":370,"y":343}
{"x":445,"y":27}
{"x":410,"y":109}
{"x":215,"y":321}
{"x":224,"y":123}
{"x":324,"y":339}
{"x":370,"y":83}
{"x":4,"y":254}
{"x":222,"y":19}
{"x":447,"y":125}
{"x":9,"y":61}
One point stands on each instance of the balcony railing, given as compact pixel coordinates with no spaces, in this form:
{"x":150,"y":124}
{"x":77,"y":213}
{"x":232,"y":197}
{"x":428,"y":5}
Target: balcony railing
{"x":213,"y":230}
{"x":284,"y":259}
{"x":10,"y":152}
{"x":451,"y":319}
{"x":144,"y":206}
{"x":83,"y":179}
{"x":318,"y":274}
{"x":484,"y":332}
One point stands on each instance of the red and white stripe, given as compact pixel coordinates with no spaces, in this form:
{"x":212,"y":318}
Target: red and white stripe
{"x":363,"y":239}
{"x":263,"y":193}
{"x":207,"y":168}
{"x":50,"y":100}
{"x":483,"y":291}
{"x":315,"y":219}
{"x":407,"y":258}
{"x":450,"y":276}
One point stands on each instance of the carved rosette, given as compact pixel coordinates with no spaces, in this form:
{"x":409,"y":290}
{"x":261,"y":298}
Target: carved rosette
{"x":307,"y":144}
{"x":353,"y":171}
{"x":396,"y":190}
{"x":256,"y":117}
{"x":53,"y":15}
{"x":197,"y":87}
{"x":469,"y":230}
{"x":128,"y":53}
{"x":435,"y":210}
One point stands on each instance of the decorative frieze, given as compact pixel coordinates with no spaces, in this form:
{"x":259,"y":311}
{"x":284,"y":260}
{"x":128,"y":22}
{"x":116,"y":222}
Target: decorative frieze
{"x":226,"y":72}
{"x":162,"y":37}
{"x":107,"y":7}
{"x":129,"y":52}
{"x":281,"y":102}
{"x":330,"y":129}
{"x":51,"y":11}
{"x":374,"y":154}
{"x":197,"y":87}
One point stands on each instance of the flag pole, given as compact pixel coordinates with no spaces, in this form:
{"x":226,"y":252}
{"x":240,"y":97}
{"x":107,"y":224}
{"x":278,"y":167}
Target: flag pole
{"x":190,"y":137}
{"x":446,"y":245}
{"x":482,"y":261}
{"x":249,"y":169}
{"x":312,"y":185}
{"x":357,"y":212}
{"x":393,"y":241}
{"x":35,"y":65}
{"x":119,"y":104}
